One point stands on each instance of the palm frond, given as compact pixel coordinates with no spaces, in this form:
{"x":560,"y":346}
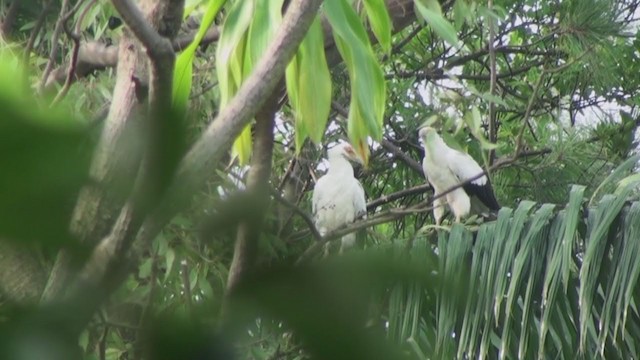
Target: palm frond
{"x":539,"y":282}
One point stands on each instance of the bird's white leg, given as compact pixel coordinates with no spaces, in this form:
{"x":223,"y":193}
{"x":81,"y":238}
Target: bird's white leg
{"x":348,"y":241}
{"x":438,"y":208}
{"x":327,"y":248}
{"x":459,"y":203}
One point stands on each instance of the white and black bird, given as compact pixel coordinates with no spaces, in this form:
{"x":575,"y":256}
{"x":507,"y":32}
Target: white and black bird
{"x":445,"y":168}
{"x":338,"y":197}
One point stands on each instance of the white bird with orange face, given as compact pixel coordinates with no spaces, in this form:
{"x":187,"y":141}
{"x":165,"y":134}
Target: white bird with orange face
{"x":445,"y":168}
{"x":338,"y":197}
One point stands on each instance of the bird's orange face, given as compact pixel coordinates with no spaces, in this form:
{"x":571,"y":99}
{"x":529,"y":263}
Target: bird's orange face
{"x":351,"y":154}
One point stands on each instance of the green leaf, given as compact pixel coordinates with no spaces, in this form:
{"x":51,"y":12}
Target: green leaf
{"x":291,"y":77}
{"x":266,"y":19}
{"x":627,"y":181}
{"x":523,"y":264}
{"x":461,"y":13}
{"x":205,"y":287}
{"x":309,"y":86}
{"x":599,"y":225}
{"x":623,"y":168}
{"x":170,"y":258}
{"x":242,"y":145}
{"x":183,"y":74}
{"x":380,"y":22}
{"x":368,"y":89}
{"x":556,"y":278}
{"x":430,"y":10}
{"x":145,"y":268}
{"x":473,"y":119}
{"x":231,"y":43}
{"x":246,"y":33}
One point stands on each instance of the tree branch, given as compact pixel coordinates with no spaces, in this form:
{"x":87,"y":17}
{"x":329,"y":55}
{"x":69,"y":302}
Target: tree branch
{"x":246,"y":246}
{"x":157,"y":46}
{"x":373,"y":204}
{"x":9,"y":19}
{"x":95,"y":55}
{"x":75,"y":37}
{"x":306,"y":217}
{"x":380,"y":218}
{"x":54,"y":43}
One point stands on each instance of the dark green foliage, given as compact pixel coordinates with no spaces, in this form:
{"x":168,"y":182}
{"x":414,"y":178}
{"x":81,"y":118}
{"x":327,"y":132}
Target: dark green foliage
{"x":44,"y":162}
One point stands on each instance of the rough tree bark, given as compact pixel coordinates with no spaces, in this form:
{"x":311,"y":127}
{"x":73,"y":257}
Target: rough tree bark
{"x":6,"y":24}
{"x":246,"y":246}
{"x":22,"y":277}
{"x":118,"y":153}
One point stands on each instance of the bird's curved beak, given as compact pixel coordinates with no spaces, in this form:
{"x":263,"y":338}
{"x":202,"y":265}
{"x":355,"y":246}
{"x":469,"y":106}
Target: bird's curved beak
{"x":359,"y":154}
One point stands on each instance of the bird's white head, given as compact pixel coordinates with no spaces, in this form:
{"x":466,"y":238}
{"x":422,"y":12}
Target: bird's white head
{"x":427,"y":132}
{"x":346,"y":151}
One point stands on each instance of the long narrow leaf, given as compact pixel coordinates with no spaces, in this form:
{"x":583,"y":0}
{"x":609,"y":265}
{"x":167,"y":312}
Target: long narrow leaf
{"x":380,"y":22}
{"x":521,"y":264}
{"x":599,"y":226}
{"x":368,"y":89}
{"x":313,"y":95}
{"x":183,"y":74}
{"x":559,"y":260}
{"x":430,"y":10}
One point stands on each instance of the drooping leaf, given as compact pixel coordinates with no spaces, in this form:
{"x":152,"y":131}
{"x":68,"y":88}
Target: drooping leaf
{"x":461,"y":13}
{"x":368,"y":89}
{"x":556,"y":278}
{"x":380,"y":22}
{"x":599,"y":225}
{"x":430,"y":10}
{"x":183,"y":74}
{"x":230,"y":62}
{"x":309,"y":87}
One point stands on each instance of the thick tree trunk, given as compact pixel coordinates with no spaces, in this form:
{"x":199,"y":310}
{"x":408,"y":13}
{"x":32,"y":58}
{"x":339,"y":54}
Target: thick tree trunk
{"x":22,"y":277}
{"x":114,"y":166}
{"x":6,"y":23}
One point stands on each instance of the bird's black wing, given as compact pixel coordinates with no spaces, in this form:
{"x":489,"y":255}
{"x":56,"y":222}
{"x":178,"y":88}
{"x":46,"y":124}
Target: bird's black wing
{"x":464,"y":167}
{"x":483,"y":192}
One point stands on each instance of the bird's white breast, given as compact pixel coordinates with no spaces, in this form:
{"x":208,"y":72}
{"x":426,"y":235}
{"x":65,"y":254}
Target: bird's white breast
{"x":439,"y":176}
{"x":334,"y":205}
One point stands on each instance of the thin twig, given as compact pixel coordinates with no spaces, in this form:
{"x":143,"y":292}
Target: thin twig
{"x":145,"y":316}
{"x":35,"y":32}
{"x":493,"y":126}
{"x":397,"y":195}
{"x":380,"y":218}
{"x":156,"y":46}
{"x":306,"y":217}
{"x":75,"y":37}
{"x":102,"y":347}
{"x":204,"y":90}
{"x":53,"y":54}
{"x":527,"y":114}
